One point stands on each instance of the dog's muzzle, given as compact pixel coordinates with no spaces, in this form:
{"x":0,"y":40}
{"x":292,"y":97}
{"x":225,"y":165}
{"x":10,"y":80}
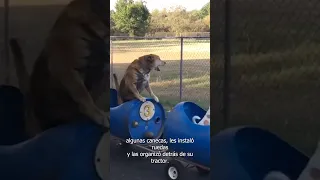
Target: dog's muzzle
{"x":162,"y":64}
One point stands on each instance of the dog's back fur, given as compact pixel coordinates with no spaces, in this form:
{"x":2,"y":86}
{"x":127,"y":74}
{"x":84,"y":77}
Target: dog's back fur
{"x":32,"y":126}
{"x":76,"y":43}
{"x":21,"y":69}
{"x":135,"y":75}
{"x":76,"y":21}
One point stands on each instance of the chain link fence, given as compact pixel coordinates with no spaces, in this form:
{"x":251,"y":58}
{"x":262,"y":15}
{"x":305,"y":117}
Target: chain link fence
{"x":267,"y":67}
{"x":185,"y":77}
{"x":185,"y":34}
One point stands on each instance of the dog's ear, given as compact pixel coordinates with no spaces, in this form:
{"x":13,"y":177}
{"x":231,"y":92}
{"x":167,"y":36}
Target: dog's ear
{"x":149,"y":58}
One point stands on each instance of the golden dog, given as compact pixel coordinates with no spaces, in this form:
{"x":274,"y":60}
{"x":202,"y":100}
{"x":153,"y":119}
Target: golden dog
{"x":136,"y":78}
{"x":72,"y":70}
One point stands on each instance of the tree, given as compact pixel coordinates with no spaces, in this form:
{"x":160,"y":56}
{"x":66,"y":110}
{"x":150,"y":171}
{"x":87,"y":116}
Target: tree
{"x":178,"y":19}
{"x":112,"y":25}
{"x":206,"y":20}
{"x":204,"y":11}
{"x":159,"y":22}
{"x":131,"y":17}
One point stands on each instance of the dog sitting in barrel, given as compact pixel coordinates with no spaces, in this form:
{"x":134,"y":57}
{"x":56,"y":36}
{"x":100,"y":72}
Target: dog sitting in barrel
{"x":137,"y":78}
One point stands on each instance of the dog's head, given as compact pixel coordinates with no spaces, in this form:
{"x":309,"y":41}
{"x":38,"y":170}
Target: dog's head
{"x":151,"y":61}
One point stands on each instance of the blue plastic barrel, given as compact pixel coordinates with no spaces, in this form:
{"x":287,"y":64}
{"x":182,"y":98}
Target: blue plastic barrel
{"x":249,"y":153}
{"x":65,"y":152}
{"x":179,"y":125}
{"x":126,"y":121}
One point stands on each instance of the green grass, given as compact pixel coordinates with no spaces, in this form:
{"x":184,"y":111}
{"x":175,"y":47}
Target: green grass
{"x":167,"y":49}
{"x":275,"y":68}
{"x":278,"y":91}
{"x":166,"y":83}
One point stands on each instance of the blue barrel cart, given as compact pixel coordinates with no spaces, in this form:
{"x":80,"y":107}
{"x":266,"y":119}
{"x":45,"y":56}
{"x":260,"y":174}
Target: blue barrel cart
{"x":74,"y":151}
{"x":180,"y":127}
{"x":137,"y":120}
{"x":242,"y":153}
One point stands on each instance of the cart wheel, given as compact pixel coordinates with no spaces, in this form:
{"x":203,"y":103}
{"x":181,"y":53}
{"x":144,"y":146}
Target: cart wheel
{"x":202,"y":171}
{"x":175,"y":170}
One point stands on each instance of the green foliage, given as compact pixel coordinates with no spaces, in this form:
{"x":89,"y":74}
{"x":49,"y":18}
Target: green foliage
{"x":158,"y":22}
{"x":134,"y":18}
{"x":204,"y":11}
{"x":112,"y":25}
{"x":179,"y":20}
{"x":131,"y":17}
{"x":206,"y":20}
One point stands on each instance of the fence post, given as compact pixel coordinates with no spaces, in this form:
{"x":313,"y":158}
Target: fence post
{"x":6,"y":42}
{"x":227,"y":66}
{"x":111,"y":63}
{"x":181,"y":63}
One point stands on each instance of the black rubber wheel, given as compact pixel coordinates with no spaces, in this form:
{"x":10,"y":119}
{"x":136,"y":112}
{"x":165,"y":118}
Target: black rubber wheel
{"x":202,"y":171}
{"x":175,"y":170}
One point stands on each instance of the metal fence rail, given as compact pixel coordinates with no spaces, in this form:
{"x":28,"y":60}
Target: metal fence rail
{"x":267,"y":67}
{"x":186,"y":76}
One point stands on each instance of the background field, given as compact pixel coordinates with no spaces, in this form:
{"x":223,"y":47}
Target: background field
{"x":275,"y":68}
{"x":166,"y":83}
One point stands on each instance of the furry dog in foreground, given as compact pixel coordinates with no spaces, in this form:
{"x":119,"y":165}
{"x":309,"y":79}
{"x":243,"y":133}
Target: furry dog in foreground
{"x":72,"y":71}
{"x":136,"y":78}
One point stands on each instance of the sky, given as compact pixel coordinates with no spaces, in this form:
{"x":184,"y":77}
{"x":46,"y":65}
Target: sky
{"x":160,"y":4}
